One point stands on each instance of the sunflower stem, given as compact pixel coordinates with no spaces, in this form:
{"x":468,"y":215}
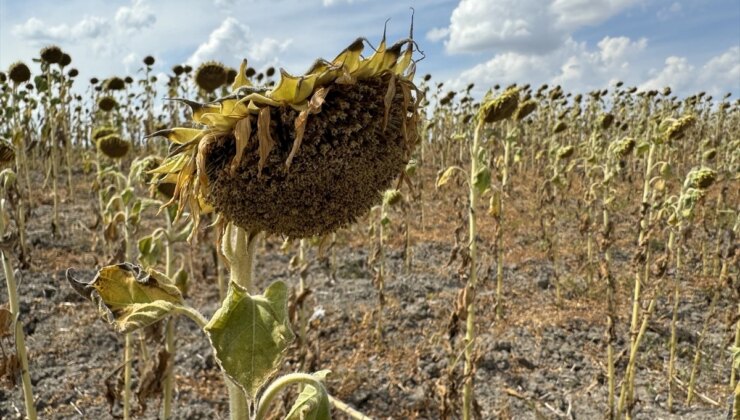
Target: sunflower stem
{"x":16,"y":325}
{"x":472,"y":279}
{"x":239,"y":249}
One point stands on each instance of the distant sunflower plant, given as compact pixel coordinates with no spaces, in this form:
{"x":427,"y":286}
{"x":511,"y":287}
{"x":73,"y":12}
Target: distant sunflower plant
{"x":301,"y":159}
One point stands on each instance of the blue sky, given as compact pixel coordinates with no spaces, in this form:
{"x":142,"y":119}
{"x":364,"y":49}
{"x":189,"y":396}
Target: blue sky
{"x":691,"y":45}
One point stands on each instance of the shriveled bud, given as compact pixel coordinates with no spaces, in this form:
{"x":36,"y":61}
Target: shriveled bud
{"x":392,"y":197}
{"x":565,"y":152}
{"x":411,"y":167}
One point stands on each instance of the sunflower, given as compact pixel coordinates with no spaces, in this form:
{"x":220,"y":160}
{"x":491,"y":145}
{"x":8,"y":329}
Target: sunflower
{"x":306,"y":157}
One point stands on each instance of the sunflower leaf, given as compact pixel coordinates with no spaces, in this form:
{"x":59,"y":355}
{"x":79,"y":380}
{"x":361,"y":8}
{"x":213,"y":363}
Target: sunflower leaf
{"x":129,"y":297}
{"x":249,"y":335}
{"x":312,"y":403}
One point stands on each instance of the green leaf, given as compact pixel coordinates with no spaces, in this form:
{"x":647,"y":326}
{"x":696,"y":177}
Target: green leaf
{"x":482,"y":179}
{"x":312,"y":403}
{"x":249,"y":335}
{"x":150,"y":249}
{"x":128,"y":296}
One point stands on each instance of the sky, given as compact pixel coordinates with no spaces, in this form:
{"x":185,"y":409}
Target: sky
{"x":690,"y":45}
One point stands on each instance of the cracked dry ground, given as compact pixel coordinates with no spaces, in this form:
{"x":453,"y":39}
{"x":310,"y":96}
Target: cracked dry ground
{"x":539,"y":361}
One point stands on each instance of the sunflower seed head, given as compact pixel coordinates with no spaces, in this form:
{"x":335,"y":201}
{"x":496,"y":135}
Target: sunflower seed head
{"x":700,"y":178}
{"x":19,"y":73}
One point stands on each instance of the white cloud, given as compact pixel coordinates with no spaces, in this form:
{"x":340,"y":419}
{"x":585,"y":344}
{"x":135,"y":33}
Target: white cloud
{"x":437,"y":34}
{"x":511,"y":25}
{"x":722,"y":71}
{"x":136,"y":17}
{"x":328,"y":3}
{"x":667,"y":12}
{"x":572,"y":14}
{"x":716,"y":76}
{"x":531,"y":26}
{"x":677,"y":73}
{"x":574,"y":65}
{"x":233,"y":41}
{"x":615,"y":50}
{"x":35,"y":29}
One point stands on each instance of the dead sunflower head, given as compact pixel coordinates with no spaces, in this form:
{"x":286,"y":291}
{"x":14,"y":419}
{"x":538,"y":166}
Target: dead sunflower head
{"x":113,"y":146}
{"x":51,"y":54}
{"x":7,"y":153}
{"x":107,"y":103}
{"x":110,"y":143}
{"x":19,"y":73}
{"x":308,"y":156}
{"x":211,"y":75}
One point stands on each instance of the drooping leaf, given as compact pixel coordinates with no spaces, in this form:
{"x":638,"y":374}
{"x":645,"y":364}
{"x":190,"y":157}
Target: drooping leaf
{"x":312,"y":403}
{"x":128,"y":296}
{"x":249,"y":335}
{"x":446,"y":176}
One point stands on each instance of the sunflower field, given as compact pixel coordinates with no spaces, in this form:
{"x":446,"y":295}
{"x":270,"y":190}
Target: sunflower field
{"x":358,"y":241}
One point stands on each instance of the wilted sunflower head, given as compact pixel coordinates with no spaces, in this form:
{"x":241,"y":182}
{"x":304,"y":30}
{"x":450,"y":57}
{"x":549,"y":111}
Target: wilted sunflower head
{"x":211,"y":75}
{"x":7,"y":153}
{"x":51,"y":54}
{"x":524,"y":109}
{"x":501,"y":107}
{"x":115,"y":83}
{"x":113,"y":146}
{"x":700,"y":178}
{"x":107,"y":103}
{"x":19,"y":73}
{"x":306,"y":157}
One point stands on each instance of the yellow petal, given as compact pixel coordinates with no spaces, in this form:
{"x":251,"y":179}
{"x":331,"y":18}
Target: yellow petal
{"x":198,"y":108}
{"x":293,"y":89}
{"x":180,"y":135}
{"x":241,"y":77}
{"x":350,"y":57}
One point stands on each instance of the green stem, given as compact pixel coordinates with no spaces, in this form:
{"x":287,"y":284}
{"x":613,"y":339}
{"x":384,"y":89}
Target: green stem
{"x":282,"y":382}
{"x":472,"y":279}
{"x":239,"y":249}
